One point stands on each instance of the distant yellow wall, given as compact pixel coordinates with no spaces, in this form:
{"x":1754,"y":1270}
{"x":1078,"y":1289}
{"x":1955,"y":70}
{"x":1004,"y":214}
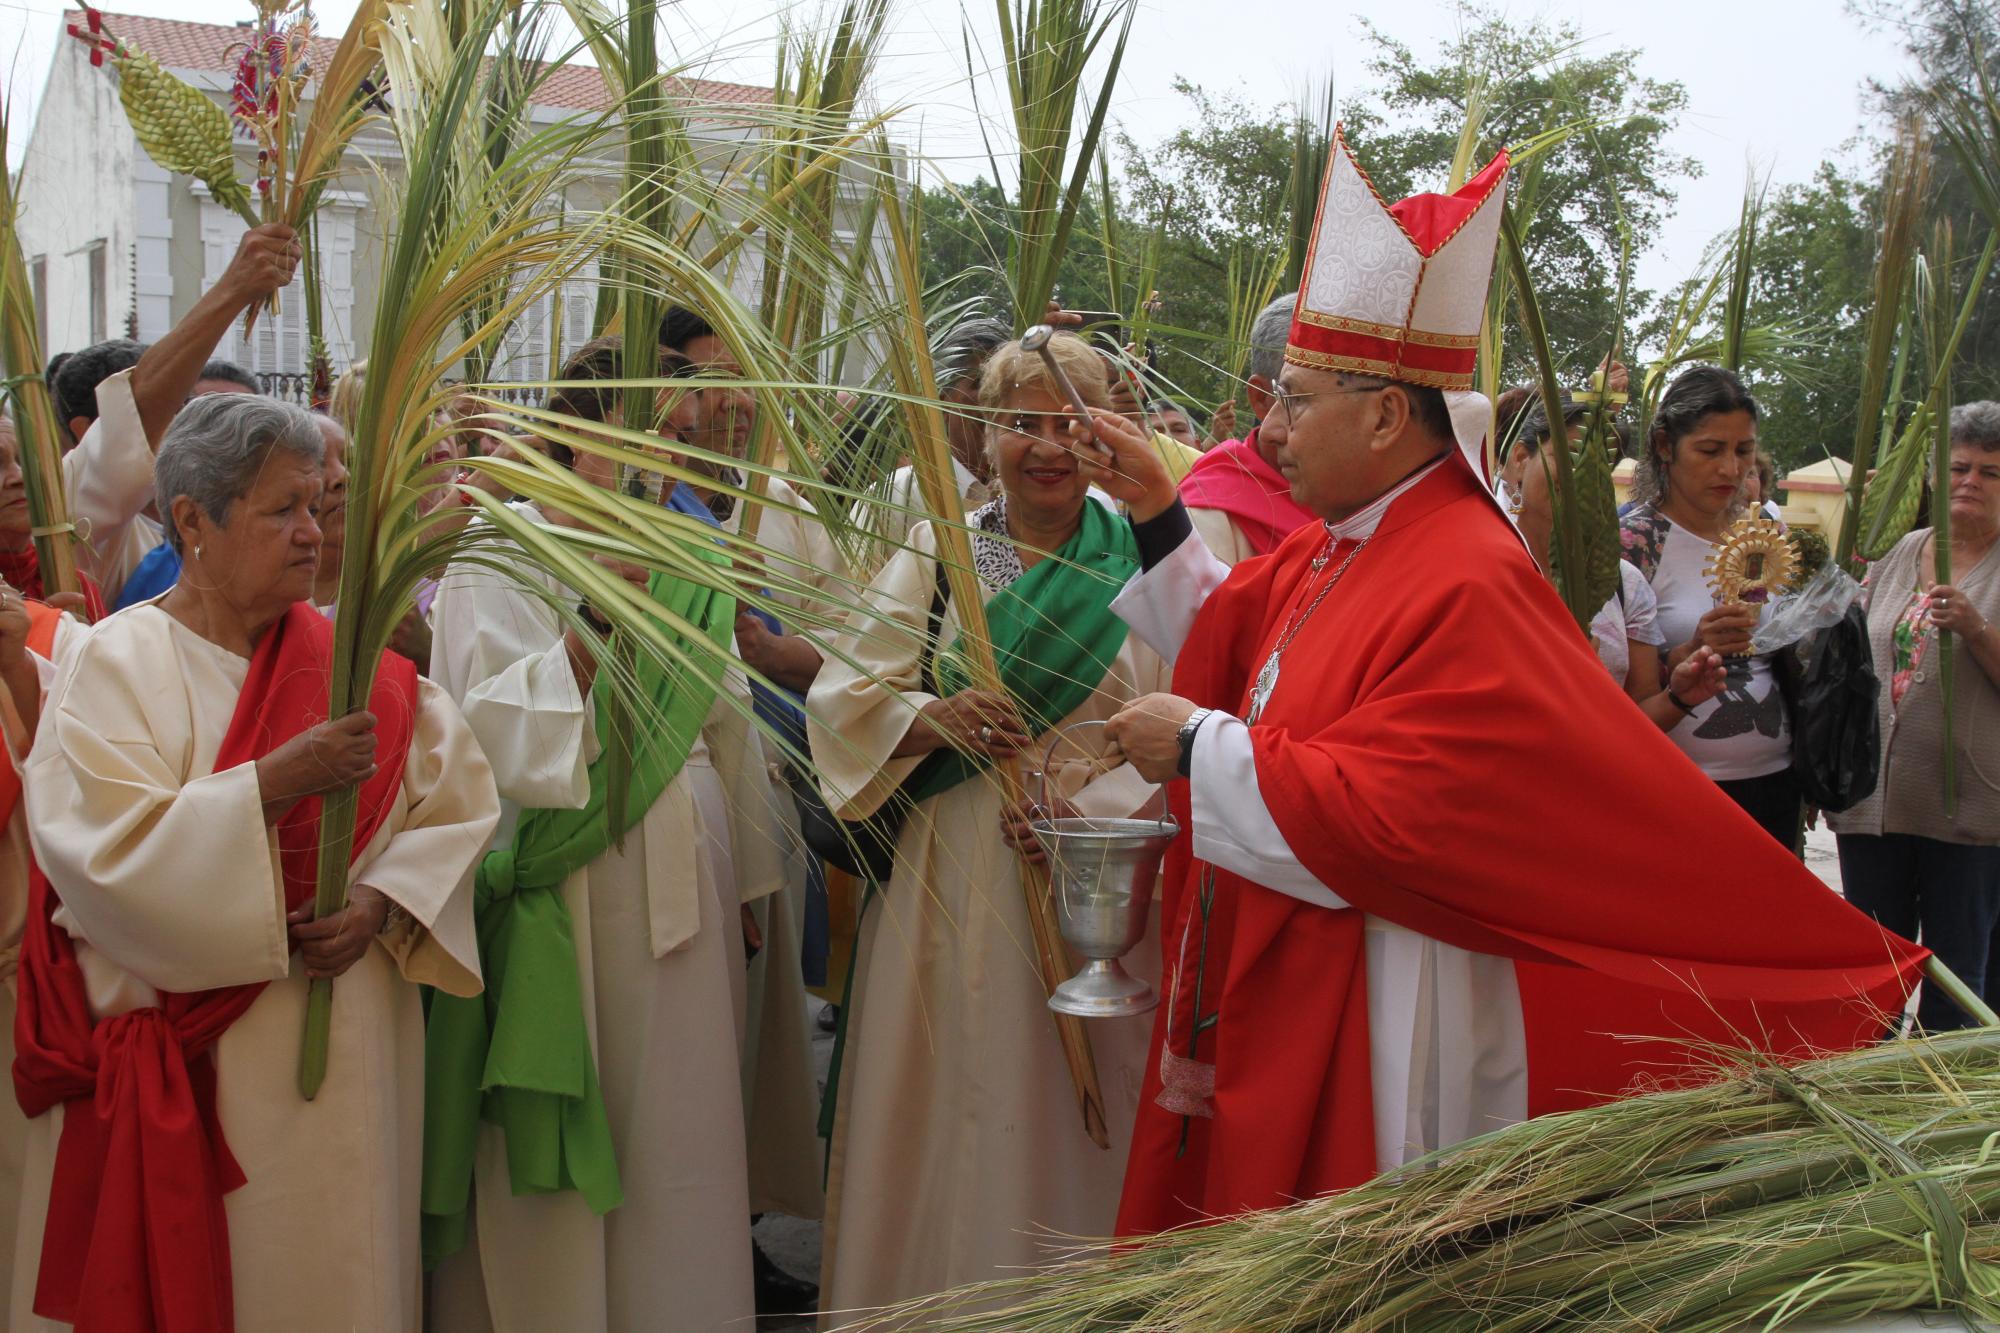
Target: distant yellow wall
{"x":1815,"y":497}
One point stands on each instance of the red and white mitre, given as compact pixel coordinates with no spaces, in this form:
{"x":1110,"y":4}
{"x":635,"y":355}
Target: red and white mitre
{"x":1397,"y":290}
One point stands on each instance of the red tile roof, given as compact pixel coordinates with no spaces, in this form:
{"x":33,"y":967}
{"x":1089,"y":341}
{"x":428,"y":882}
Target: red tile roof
{"x":178,"y":44}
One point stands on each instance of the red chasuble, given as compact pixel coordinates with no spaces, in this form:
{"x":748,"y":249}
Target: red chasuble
{"x":137,"y":1240}
{"x":1444,"y":751}
{"x":1234,"y":478}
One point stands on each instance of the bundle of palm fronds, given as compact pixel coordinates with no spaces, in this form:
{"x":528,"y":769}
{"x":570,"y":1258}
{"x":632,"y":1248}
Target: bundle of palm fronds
{"x":1771,"y":1196}
{"x":1048,"y":46}
{"x":1583,"y":545}
{"x":37,"y":434}
{"x":1312,"y":145}
{"x":461,"y":237}
{"x":175,"y":123}
{"x":1905,"y":185}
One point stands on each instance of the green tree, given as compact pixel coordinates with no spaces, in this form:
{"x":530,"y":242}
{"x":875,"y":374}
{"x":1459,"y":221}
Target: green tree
{"x":1814,"y":259}
{"x":1219,"y":182}
{"x":1944,"y":39}
{"x":1597,"y":189}
{"x":965,"y":249}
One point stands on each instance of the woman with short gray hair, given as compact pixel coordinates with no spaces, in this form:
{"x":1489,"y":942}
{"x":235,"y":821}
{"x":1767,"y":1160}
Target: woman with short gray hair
{"x":1905,"y":859}
{"x":170,"y":796}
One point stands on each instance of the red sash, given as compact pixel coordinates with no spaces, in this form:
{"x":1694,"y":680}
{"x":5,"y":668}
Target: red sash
{"x":136,"y":1236}
{"x":23,"y":569}
{"x":1234,"y":478}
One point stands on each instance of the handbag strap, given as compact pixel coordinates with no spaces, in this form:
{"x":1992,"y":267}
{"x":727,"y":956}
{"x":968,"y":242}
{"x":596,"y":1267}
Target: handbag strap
{"x":927,"y":659}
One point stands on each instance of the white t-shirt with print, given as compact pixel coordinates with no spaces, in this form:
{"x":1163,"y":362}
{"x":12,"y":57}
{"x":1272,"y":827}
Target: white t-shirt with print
{"x":1741,"y":733}
{"x":1634,"y":613}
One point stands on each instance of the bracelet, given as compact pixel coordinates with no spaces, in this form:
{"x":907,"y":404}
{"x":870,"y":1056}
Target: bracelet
{"x":1186,"y":740}
{"x":1678,"y":702}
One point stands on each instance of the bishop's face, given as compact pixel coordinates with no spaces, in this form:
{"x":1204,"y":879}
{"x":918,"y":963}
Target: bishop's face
{"x":1320,"y":434}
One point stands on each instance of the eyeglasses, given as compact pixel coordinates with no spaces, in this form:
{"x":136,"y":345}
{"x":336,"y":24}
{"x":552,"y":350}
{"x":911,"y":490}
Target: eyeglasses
{"x":1285,"y":397}
{"x":1050,"y":426}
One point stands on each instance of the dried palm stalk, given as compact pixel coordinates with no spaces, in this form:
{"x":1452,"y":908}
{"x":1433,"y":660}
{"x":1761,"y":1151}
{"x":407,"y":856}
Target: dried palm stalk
{"x":916,"y":381}
{"x":1770,"y":1196}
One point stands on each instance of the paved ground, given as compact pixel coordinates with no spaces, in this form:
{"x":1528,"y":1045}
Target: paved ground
{"x":792,"y":1242}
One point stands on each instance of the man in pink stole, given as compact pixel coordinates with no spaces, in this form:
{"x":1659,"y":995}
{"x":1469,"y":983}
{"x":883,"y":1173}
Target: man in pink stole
{"x":1235,"y":497}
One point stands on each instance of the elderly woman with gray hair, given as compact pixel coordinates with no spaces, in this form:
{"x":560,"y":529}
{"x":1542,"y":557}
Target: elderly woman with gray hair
{"x":1904,"y":858}
{"x":173,"y":798}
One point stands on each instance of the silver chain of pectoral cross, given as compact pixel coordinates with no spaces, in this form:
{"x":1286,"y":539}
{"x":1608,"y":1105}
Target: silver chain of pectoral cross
{"x":1267,"y":679}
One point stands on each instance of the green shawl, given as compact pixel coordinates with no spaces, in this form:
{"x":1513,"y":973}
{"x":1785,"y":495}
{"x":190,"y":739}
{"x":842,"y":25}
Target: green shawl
{"x":1054,"y":638}
{"x":519,"y":1055}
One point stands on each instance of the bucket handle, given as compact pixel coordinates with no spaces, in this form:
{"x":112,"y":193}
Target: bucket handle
{"x":1049,"y":755}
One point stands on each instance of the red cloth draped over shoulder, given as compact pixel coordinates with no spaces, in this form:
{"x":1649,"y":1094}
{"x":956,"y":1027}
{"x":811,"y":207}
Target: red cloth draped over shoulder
{"x":136,"y":1238}
{"x":1444,"y":751}
{"x":22,"y":570}
{"x":1234,"y":478}
{"x":42,"y":621}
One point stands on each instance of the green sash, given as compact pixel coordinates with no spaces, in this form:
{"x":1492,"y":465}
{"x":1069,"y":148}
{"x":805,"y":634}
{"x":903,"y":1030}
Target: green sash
{"x":1054,"y":636}
{"x":519,"y":1055}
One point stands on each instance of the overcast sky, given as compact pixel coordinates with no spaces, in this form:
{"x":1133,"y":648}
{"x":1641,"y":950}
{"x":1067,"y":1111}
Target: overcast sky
{"x":1774,"y":84}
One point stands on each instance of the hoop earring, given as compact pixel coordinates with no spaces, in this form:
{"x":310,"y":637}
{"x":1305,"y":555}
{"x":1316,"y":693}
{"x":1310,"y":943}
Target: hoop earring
{"x":197,"y":552}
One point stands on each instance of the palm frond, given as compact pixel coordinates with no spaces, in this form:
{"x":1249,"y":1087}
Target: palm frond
{"x":1048,"y":46}
{"x":1905,"y":187}
{"x":1312,"y":144}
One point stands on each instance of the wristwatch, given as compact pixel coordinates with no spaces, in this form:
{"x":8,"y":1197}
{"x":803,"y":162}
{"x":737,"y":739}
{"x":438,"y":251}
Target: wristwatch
{"x":593,"y":617}
{"x":1186,"y":738}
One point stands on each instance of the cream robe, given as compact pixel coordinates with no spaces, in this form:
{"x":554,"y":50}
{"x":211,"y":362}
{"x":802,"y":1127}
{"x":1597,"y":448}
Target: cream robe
{"x":958,"y":1149}
{"x":1222,"y":535}
{"x":13,"y":916}
{"x":109,"y":478}
{"x":170,"y":880}
{"x":660,"y":953}
{"x":780,"y":1090}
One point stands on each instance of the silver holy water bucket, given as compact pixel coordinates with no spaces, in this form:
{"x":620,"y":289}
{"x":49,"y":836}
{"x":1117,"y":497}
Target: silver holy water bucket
{"x":1102,"y":873}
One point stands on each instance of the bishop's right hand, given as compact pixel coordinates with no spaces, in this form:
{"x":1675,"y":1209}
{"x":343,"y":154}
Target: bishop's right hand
{"x":1134,"y":475}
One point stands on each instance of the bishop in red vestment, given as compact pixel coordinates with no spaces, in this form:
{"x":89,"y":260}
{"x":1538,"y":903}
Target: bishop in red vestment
{"x":1437,"y":871}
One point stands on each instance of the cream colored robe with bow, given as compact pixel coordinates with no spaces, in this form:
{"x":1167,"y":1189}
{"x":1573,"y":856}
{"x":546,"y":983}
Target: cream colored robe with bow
{"x":14,"y":915}
{"x":169,"y":881}
{"x":659,"y":948}
{"x":958,"y":1149}
{"x":780,"y":1089}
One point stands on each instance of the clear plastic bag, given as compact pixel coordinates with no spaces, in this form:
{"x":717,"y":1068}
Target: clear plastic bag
{"x":1822,"y":602}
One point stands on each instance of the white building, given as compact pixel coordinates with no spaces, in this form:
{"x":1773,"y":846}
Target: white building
{"x":118,"y":247}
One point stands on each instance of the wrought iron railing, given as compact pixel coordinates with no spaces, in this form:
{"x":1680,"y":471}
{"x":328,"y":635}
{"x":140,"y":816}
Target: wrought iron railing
{"x":295,"y":386}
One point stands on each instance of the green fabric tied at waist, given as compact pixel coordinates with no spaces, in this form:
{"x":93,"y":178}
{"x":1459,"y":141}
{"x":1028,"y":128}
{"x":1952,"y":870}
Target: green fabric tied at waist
{"x":518,"y":1055}
{"x":1054,"y":637}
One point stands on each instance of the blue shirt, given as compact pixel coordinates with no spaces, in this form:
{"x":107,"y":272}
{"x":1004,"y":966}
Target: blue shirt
{"x":779,"y":708}
{"x":158,"y":571}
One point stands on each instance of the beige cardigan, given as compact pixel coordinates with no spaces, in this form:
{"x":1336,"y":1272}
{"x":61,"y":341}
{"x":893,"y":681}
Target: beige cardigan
{"x":1909,"y":794}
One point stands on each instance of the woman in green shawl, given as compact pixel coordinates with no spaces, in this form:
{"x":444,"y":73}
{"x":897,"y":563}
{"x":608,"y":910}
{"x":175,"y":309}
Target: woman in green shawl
{"x":957,"y":1151}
